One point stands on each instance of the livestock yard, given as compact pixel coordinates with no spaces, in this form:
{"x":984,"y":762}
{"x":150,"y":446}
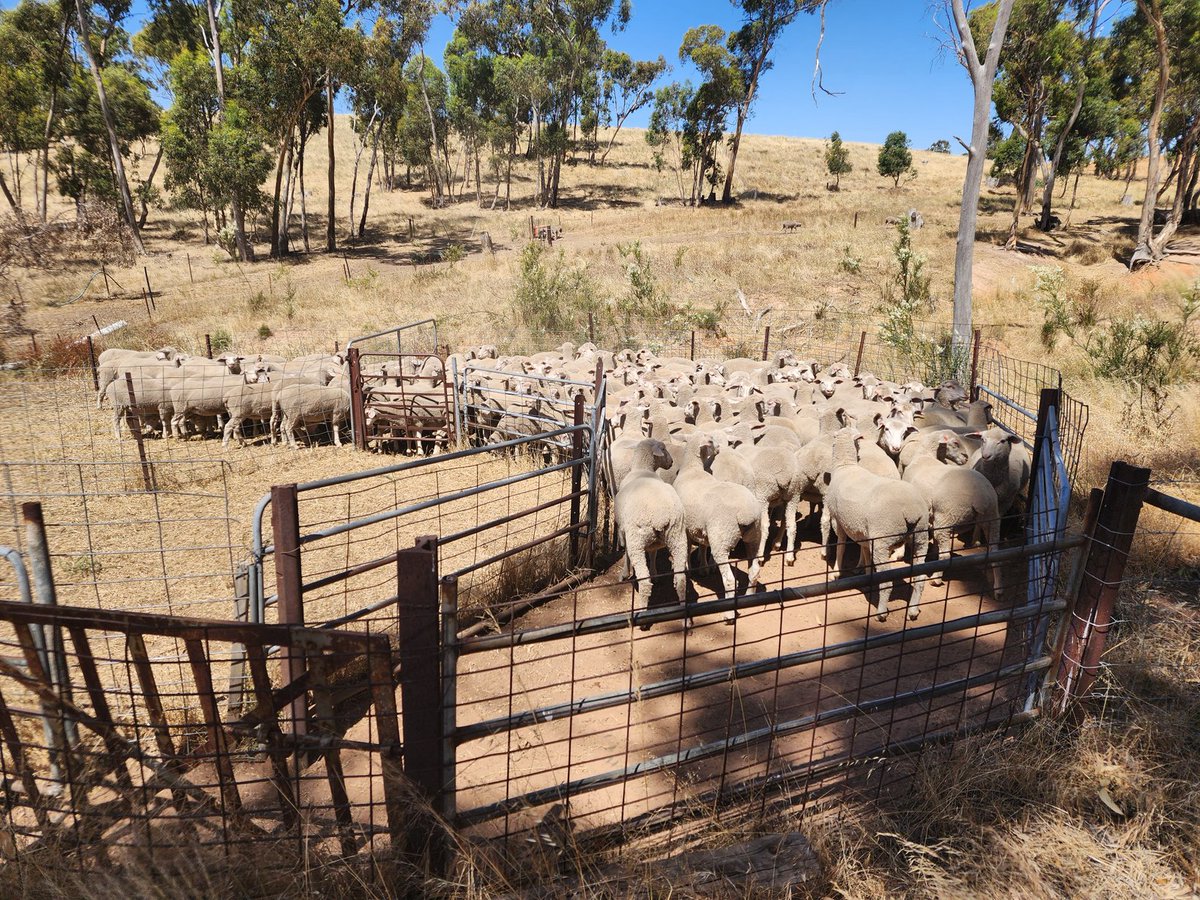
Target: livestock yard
{"x":416,"y":652}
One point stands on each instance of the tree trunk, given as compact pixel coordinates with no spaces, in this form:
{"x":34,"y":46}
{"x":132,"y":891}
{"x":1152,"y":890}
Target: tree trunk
{"x":1074,"y":194}
{"x":303,"y":201}
{"x":433,"y":146}
{"x":114,"y":144}
{"x":362,"y":223}
{"x":283,"y":150}
{"x":1144,"y":251}
{"x":289,"y":196}
{"x":245,"y":250}
{"x":330,"y":230}
{"x":149,"y":181}
{"x":1158,"y":244}
{"x":983,"y":76}
{"x":1026,"y":176}
{"x":1061,"y":143}
{"x":742,"y":113}
{"x":368,"y":132}
{"x":12,"y":201}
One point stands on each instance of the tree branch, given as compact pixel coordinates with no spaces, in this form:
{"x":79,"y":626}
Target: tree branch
{"x":818,"y":82}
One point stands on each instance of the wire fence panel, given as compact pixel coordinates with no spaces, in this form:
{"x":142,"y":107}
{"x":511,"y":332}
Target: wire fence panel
{"x":803,"y":689}
{"x":119,"y":776}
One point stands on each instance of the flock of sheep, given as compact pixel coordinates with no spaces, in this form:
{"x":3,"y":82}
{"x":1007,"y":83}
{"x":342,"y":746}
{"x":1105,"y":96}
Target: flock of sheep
{"x":709,"y":453}
{"x":703,"y":453}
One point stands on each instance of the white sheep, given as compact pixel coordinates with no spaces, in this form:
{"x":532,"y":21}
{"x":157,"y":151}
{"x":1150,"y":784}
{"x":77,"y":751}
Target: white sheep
{"x":718,"y":513}
{"x":650,"y":516}
{"x":887,"y":519}
{"x":1003,"y":460}
{"x":312,"y":404}
{"x":149,"y":399}
{"x":113,"y":363}
{"x":248,"y":401}
{"x":963,"y":501}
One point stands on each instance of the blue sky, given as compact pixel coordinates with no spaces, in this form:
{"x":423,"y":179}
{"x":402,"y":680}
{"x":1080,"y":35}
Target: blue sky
{"x":881,"y":56}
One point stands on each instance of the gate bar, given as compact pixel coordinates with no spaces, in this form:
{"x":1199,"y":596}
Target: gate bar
{"x":615,"y":621}
{"x":703,"y":751}
{"x":727,"y":674}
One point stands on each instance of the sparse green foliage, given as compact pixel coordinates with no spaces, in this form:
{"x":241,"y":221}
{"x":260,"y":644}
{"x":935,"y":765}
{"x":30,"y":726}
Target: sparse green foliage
{"x":837,"y":159}
{"x":906,"y":296}
{"x":850,"y":263}
{"x":644,"y":299}
{"x":895,"y":159}
{"x":940,"y":146}
{"x":264,"y":332}
{"x":553,"y":295}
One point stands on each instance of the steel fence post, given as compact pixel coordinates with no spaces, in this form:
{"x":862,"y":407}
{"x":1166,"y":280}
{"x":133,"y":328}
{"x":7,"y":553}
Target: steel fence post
{"x":1103,"y":571}
{"x":576,"y":482}
{"x":447,"y":805}
{"x":421,"y":694}
{"x":289,"y":586}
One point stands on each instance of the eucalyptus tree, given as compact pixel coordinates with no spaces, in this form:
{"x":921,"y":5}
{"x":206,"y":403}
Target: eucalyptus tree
{"x":668,"y":120}
{"x":763,"y":23}
{"x":710,"y":106}
{"x":96,"y":35}
{"x":627,"y":85}
{"x":982,"y":72}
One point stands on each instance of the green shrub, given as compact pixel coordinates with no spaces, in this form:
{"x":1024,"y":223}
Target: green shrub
{"x":264,"y":332}
{"x":643,"y":300}
{"x":221,"y":340}
{"x":552,"y":295}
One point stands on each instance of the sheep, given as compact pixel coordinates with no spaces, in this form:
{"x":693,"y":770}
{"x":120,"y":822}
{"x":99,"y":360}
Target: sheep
{"x":253,"y":401}
{"x":650,"y":516}
{"x":894,"y":429}
{"x":149,"y":398}
{"x":718,"y":513}
{"x":200,"y":397}
{"x":885,"y":518}
{"x":962,"y":500}
{"x":953,"y":452}
{"x":312,"y":404}
{"x":114,"y":363}
{"x":1003,"y":460}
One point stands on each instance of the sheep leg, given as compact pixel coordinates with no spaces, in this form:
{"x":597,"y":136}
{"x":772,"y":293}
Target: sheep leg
{"x":920,"y":541}
{"x":233,"y":423}
{"x":935,"y":553}
{"x":756,"y":545}
{"x":990,"y":539}
{"x":875,"y":553}
{"x":336,"y":426}
{"x":789,"y":517}
{"x":641,"y":579}
{"x":677,"y":548}
{"x":828,"y":529}
{"x":839,"y":552}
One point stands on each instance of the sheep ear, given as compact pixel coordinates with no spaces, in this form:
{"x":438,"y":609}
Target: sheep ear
{"x":1013,"y":439}
{"x":878,"y":420}
{"x":944,"y":439}
{"x":975,"y":435}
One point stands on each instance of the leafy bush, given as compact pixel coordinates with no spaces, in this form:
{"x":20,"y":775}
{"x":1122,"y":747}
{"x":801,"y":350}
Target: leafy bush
{"x":837,"y":159}
{"x":221,"y":340}
{"x":849,"y":263}
{"x":895,"y":159}
{"x":264,"y":332}
{"x":904,"y":296}
{"x":643,"y":300}
{"x":1151,"y":356}
{"x":552,"y":295}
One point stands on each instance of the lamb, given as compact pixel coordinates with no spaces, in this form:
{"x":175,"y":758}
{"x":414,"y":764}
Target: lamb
{"x":650,"y":516}
{"x":962,"y":500}
{"x":718,"y":514}
{"x":1003,"y":460}
{"x":953,"y":451}
{"x":887,"y":519}
{"x":313,"y":404}
{"x":200,"y":397}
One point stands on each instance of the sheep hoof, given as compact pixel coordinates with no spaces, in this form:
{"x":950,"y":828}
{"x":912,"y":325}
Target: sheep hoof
{"x":913,"y":613}
{"x":791,"y":559}
{"x":688,"y":624}
{"x":937,"y":582}
{"x":643,"y":628}
{"x":730,"y":617}
{"x":882,"y":617}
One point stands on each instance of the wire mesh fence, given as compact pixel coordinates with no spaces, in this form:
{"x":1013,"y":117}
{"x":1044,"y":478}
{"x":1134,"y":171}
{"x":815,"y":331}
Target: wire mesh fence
{"x":635,"y":729}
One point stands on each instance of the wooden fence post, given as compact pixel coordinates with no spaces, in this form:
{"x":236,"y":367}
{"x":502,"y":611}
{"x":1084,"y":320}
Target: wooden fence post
{"x":862,"y":344}
{"x":766,"y":343}
{"x":693,"y":354}
{"x":133,"y":420}
{"x":289,"y":586}
{"x":92,"y":359}
{"x":358,"y":412}
{"x":1107,"y":554}
{"x":973,"y":390}
{"x":149,"y":289}
{"x":208,"y":345}
{"x":421,"y":693}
